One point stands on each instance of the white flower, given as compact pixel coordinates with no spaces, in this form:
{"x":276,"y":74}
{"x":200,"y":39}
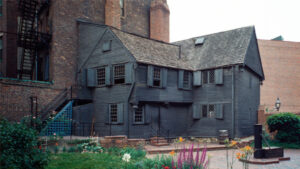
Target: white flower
{"x":126,"y":157}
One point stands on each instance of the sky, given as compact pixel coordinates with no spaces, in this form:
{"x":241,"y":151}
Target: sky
{"x":271,"y":18}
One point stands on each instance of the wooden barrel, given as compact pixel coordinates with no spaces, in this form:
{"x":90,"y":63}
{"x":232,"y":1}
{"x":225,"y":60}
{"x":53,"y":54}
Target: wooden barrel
{"x":223,"y":135}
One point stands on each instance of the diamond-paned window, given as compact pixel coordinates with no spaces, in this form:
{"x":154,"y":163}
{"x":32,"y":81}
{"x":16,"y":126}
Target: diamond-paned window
{"x":186,"y":80}
{"x":114,"y":113}
{"x":208,"y":76}
{"x":211,"y":76}
{"x":139,"y":115}
{"x":119,"y":74}
{"x":156,"y":77}
{"x":101,"y":76}
{"x":211,"y":111}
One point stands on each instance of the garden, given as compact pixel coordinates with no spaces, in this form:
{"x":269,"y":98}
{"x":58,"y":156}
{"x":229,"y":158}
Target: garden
{"x":22,"y":147}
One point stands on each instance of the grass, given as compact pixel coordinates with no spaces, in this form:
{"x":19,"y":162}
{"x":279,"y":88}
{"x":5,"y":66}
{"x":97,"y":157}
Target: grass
{"x":85,"y":160}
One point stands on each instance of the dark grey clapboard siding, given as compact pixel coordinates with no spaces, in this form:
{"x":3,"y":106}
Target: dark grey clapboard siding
{"x":170,"y":93}
{"x":213,"y":94}
{"x":247,"y":102}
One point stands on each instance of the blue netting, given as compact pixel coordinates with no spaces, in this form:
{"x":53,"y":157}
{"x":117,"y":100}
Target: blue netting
{"x":61,"y":124}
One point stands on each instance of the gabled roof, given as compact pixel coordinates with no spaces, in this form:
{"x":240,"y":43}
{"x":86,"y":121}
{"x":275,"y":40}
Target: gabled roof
{"x":152,"y":51}
{"x":218,"y":50}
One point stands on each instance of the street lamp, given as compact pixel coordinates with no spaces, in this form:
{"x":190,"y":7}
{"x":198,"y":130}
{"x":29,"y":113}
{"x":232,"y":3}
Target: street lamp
{"x":277,"y":104}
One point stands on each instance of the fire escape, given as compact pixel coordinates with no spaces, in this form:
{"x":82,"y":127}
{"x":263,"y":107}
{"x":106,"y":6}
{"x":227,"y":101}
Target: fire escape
{"x":28,"y":36}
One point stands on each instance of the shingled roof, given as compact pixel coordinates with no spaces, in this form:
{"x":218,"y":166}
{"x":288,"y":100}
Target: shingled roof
{"x":218,"y":50}
{"x":151,"y":51}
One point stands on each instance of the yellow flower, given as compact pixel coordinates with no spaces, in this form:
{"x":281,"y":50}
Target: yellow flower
{"x":248,"y":148}
{"x":233,"y":143}
{"x":180,"y":139}
{"x":238,"y":155}
{"x":172,"y":153}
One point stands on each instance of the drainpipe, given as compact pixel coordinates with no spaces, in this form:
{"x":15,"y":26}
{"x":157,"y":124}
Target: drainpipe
{"x":233,"y":102}
{"x":128,"y":99}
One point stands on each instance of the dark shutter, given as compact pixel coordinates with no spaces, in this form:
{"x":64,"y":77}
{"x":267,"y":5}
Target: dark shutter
{"x":219,"y":76}
{"x":150,"y":75}
{"x":128,"y":73}
{"x":219,"y":111}
{"x":197,"y":78}
{"x":107,"y":75}
{"x":147,"y":114}
{"x":164,"y":77}
{"x":190,"y":80}
{"x":196,"y":111}
{"x":180,"y":79}
{"x":107,"y":118}
{"x":91,"y":78}
{"x":120,"y":113}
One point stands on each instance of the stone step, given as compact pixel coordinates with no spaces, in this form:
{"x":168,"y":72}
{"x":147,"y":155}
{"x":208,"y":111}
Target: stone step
{"x":117,"y":137}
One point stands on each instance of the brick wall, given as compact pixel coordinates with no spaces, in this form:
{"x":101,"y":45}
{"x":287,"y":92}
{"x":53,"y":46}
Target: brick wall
{"x":113,"y":13}
{"x":159,"y":20}
{"x":281,"y":64}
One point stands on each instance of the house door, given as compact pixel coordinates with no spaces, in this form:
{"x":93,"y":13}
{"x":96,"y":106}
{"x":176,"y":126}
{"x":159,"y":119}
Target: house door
{"x":155,"y":118}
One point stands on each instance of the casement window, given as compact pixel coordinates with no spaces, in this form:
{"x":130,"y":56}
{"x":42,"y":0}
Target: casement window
{"x":122,"y":74}
{"x":101,"y":76}
{"x":212,"y":76}
{"x":139,"y":115}
{"x":122,"y":6}
{"x":106,"y":46}
{"x":119,"y":74}
{"x":115,"y":113}
{"x":157,"y":77}
{"x":208,"y":111}
{"x":184,"y":79}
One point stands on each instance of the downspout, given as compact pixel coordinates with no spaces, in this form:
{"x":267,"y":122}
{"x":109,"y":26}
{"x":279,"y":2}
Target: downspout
{"x":128,"y":100}
{"x":233,"y":102}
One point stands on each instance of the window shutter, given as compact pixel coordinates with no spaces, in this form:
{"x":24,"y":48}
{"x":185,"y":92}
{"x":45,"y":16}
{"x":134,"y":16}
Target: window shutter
{"x":107,"y":118}
{"x":219,"y":76}
{"x":164,"y":77}
{"x":91,"y":77}
{"x":107,"y":75}
{"x":147,"y":114}
{"x":219,"y":111}
{"x":128,"y":73}
{"x":180,"y":79}
{"x":150,"y":75}
{"x":120,"y":113}
{"x":190,"y":80}
{"x":196,"y":111}
{"x":197,"y":78}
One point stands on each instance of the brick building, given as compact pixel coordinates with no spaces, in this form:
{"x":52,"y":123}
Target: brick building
{"x":281,"y":63}
{"x":38,"y":59}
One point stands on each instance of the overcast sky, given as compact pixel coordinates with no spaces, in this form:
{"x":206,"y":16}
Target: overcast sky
{"x":271,"y":18}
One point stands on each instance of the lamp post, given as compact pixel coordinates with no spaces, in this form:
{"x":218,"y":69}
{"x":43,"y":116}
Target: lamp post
{"x":277,"y":104}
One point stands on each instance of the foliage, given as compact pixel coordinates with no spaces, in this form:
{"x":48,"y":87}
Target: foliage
{"x":287,"y":126}
{"x":134,"y":153}
{"x":93,"y":147}
{"x":244,"y":155}
{"x":20,"y":147}
{"x":157,"y":162}
{"x":233,"y":144}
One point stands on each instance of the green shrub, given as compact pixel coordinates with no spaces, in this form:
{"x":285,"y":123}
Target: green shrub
{"x":156,"y":162}
{"x":20,"y":147}
{"x":135,"y":153}
{"x":287,"y":126}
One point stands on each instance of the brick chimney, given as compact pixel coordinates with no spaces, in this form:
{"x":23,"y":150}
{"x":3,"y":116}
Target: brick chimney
{"x":159,"y":20}
{"x":113,"y":13}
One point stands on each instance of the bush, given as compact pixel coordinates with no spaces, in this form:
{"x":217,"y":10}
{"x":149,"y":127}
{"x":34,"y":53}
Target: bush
{"x":287,"y":126}
{"x":20,"y":147}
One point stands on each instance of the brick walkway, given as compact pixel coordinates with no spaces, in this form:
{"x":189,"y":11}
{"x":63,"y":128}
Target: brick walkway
{"x":218,"y":160}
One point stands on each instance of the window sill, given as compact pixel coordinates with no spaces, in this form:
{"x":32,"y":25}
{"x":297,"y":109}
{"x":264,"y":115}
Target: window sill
{"x":30,"y":83}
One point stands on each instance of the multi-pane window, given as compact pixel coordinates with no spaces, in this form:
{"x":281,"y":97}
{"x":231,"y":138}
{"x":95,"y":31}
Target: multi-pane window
{"x":186,"y":80}
{"x":119,"y":74}
{"x":211,"y":111}
{"x":122,"y":3}
{"x":101,"y":76}
{"x":208,"y":76}
{"x":114,"y":113}
{"x":139,"y":115}
{"x":0,"y":7}
{"x":156,"y":77}
{"x":208,"y":111}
